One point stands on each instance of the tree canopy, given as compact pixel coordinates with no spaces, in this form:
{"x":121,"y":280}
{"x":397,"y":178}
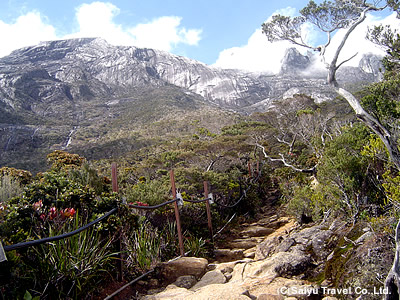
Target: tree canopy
{"x":330,"y":16}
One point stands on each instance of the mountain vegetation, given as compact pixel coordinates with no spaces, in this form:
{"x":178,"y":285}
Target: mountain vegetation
{"x":382,"y":103}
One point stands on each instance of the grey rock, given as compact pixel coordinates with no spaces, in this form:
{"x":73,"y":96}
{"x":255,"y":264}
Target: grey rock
{"x":285,"y":245}
{"x":267,"y":247}
{"x":294,"y":62}
{"x":254,"y":231}
{"x":211,"y":277}
{"x":186,"y":281}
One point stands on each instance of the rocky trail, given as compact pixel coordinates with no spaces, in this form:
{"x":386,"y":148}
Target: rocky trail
{"x":275,"y":257}
{"x":266,"y":259}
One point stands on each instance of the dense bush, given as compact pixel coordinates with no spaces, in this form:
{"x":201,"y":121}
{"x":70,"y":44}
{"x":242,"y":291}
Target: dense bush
{"x":60,"y":200}
{"x":72,"y":193}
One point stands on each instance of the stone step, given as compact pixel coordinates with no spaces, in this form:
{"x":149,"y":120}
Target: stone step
{"x":257,"y":231}
{"x":225,"y":255}
{"x":243,"y":243}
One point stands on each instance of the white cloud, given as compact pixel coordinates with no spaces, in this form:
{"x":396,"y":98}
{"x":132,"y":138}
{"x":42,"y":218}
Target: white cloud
{"x":27,"y":30}
{"x":97,"y":20}
{"x":164,"y":33}
{"x":288,"y":11}
{"x":357,"y":42}
{"x":260,"y":55}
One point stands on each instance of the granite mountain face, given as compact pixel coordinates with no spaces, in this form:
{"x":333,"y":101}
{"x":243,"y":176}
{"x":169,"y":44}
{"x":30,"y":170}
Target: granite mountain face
{"x":71,"y":93}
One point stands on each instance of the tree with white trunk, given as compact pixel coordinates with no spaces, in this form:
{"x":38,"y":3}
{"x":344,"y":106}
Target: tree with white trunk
{"x":347,"y":15}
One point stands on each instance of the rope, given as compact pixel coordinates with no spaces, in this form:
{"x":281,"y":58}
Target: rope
{"x":152,"y":207}
{"x":58,"y":237}
{"x":233,"y":205}
{"x":128,"y":284}
{"x":244,"y":194}
{"x":223,"y":227}
{"x":197,"y":201}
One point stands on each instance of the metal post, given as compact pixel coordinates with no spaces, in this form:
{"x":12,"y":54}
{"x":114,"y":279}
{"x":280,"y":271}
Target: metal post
{"x":208,"y":211}
{"x":177,"y":217}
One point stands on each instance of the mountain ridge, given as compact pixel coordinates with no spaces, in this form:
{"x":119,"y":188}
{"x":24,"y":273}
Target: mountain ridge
{"x":116,"y":69}
{"x":69,"y":94}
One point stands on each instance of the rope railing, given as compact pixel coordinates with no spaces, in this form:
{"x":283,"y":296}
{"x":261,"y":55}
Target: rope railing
{"x":154,"y":206}
{"x":232,"y":205}
{"x":197,"y":201}
{"x":80,"y":229}
{"x":87,"y":226}
{"x":59,"y":237}
{"x":176,"y":199}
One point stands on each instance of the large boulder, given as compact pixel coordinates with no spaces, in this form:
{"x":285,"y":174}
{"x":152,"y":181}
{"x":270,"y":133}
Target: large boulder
{"x":186,"y":281}
{"x":314,"y":238}
{"x":283,"y":264}
{"x":171,"y":270}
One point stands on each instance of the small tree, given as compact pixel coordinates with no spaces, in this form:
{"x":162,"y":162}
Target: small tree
{"x":329,"y":17}
{"x":383,"y":103}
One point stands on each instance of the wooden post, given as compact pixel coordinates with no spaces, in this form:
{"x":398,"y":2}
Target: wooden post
{"x":208,"y":211}
{"x":177,"y":217}
{"x":115,"y":189}
{"x":258,"y":168}
{"x":249,"y":166}
{"x":114,"y":177}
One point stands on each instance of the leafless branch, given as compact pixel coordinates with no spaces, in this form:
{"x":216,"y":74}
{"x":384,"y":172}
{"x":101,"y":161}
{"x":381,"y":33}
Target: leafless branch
{"x":285,"y":163}
{"x":345,"y":61}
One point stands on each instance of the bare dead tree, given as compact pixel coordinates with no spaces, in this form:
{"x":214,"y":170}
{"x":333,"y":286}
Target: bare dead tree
{"x":286,"y":163}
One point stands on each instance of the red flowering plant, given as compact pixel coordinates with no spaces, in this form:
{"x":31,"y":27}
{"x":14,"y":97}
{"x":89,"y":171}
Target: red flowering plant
{"x":51,"y":216}
{"x":138,"y":203}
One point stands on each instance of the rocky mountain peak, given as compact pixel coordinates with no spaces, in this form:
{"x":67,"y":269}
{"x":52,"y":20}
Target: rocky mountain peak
{"x":58,"y":86}
{"x":100,"y":69}
{"x":294,"y":62}
{"x":372,"y":64}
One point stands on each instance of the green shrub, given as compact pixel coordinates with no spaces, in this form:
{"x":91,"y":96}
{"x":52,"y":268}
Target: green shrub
{"x":152,"y":192}
{"x":9,"y":188}
{"x":22,"y":176}
{"x":300,"y":205}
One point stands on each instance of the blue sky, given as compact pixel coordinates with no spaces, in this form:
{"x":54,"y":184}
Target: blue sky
{"x":225,"y":33}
